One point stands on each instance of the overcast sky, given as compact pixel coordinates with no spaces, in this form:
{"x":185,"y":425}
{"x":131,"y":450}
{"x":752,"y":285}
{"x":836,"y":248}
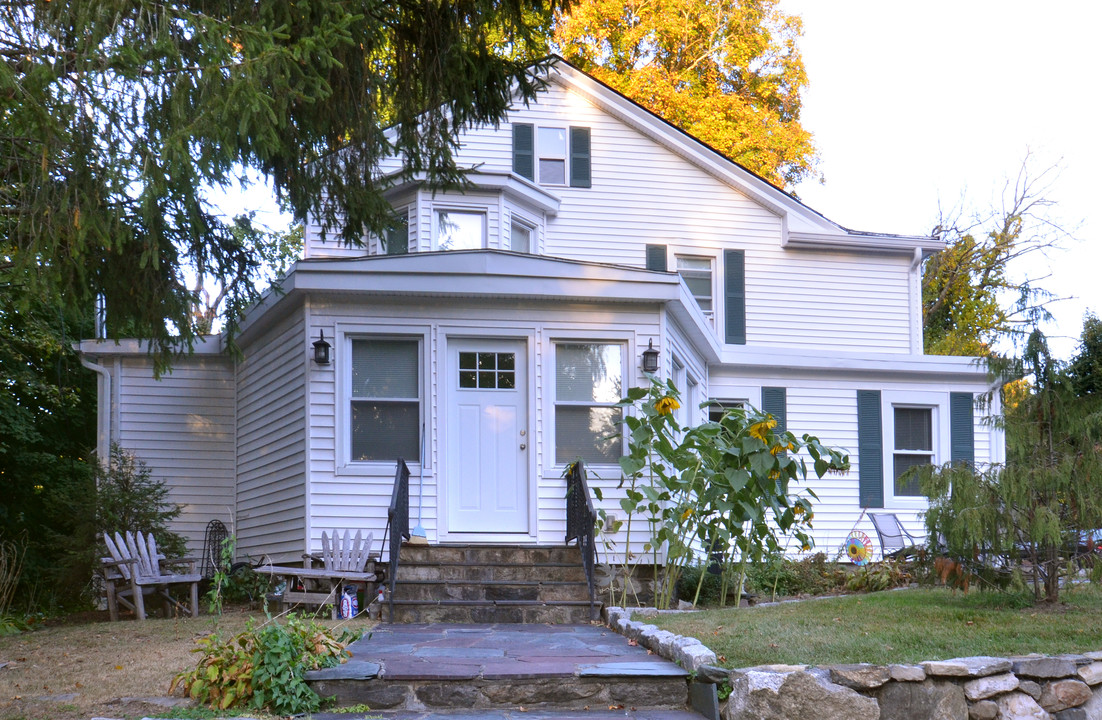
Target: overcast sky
{"x":916,"y":104}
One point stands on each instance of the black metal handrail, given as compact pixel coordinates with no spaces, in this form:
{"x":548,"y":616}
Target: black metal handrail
{"x":581,"y":522}
{"x":397,"y":524}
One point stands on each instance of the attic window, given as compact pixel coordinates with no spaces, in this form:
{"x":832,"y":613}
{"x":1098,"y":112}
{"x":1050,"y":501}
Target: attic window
{"x":560,"y":155}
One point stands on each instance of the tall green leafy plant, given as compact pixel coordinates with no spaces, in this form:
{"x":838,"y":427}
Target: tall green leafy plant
{"x":724,"y":488}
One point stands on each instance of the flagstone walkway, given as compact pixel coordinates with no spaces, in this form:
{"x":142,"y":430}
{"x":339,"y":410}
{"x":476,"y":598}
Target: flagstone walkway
{"x":511,"y":670}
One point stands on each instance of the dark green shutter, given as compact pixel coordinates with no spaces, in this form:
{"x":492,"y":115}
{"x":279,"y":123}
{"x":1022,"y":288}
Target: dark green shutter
{"x":870,"y":450}
{"x":524,"y":150}
{"x":397,"y":236}
{"x":774,"y":400}
{"x":734,"y":271}
{"x":656,"y":258}
{"x":962,"y":441}
{"x":579,"y":157}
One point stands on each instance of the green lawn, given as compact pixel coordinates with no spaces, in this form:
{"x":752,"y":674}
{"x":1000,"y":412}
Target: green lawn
{"x":904,"y":626}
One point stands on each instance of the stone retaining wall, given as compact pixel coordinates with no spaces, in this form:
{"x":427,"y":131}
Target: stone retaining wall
{"x":1033,"y":687}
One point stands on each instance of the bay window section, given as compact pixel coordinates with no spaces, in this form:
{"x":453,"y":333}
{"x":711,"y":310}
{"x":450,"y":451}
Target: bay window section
{"x":460,"y":230}
{"x":588,"y":385}
{"x":385,"y":399}
{"x":914,"y":447}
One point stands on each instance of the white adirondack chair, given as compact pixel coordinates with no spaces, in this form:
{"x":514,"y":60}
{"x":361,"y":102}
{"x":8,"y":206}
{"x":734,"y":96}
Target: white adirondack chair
{"x":344,"y":559}
{"x":135,"y":568}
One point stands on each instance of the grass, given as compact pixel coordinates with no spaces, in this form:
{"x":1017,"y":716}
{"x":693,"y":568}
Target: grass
{"x":88,"y":668}
{"x":905,"y":626}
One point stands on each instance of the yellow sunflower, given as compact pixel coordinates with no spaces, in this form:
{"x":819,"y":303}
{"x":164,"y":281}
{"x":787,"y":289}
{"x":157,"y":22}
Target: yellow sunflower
{"x":666,"y":405}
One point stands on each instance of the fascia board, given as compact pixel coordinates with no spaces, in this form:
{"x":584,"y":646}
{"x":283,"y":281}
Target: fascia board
{"x":514,"y":187}
{"x":694,"y":324}
{"x":800,"y":361}
{"x":472,"y":278}
{"x":855,"y":241}
{"x":205,"y":345}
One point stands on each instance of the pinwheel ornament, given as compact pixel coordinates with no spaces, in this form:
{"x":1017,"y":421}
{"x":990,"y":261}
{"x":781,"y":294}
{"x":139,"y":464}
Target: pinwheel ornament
{"x":858,"y":548}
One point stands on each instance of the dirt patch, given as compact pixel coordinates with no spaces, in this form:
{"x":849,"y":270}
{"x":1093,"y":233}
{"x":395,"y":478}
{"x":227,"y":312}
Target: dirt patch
{"x":85,"y":670}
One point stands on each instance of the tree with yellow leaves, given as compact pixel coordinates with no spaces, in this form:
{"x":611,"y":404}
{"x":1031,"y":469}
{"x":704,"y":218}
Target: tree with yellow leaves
{"x":726,"y":71}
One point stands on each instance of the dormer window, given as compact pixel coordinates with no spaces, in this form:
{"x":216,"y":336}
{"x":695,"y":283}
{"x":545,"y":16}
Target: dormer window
{"x":560,"y":154}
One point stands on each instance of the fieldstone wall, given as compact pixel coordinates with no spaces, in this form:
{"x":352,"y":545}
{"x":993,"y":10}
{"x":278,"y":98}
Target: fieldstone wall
{"x":1031,"y":687}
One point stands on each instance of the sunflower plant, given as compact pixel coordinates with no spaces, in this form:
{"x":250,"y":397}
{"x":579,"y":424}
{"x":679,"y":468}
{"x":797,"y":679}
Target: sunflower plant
{"x":723,"y":488}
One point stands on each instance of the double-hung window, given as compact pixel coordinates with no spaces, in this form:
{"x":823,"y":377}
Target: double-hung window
{"x":914,"y":446}
{"x":697,"y":274}
{"x":588,"y":385}
{"x":385,"y":399}
{"x":552,"y":155}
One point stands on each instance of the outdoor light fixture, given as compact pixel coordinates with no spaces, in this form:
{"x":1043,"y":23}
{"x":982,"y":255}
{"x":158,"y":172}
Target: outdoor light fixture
{"x":650,"y":359}
{"x":321,"y":350}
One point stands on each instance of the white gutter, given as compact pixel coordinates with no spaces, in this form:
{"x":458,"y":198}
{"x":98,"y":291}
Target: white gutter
{"x":103,"y":410}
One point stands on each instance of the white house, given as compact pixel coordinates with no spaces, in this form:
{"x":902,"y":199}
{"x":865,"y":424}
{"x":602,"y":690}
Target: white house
{"x":493,"y":331}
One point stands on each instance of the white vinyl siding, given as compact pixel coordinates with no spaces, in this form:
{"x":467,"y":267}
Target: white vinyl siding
{"x":826,"y":407}
{"x":356,"y":495}
{"x":181,"y":427}
{"x":271,"y":443}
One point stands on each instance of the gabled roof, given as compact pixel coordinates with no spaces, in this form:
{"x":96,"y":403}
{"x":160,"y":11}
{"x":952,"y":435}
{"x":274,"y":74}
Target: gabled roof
{"x":801,"y":225}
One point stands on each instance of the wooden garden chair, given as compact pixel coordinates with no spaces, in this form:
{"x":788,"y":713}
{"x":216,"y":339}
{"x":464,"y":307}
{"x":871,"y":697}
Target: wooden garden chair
{"x":344,"y":559}
{"x":135,"y":568}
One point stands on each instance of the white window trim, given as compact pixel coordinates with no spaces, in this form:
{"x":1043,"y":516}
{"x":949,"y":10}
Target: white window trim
{"x":345,"y":334}
{"x":938,"y":404}
{"x":626,"y":380}
{"x":534,"y":225}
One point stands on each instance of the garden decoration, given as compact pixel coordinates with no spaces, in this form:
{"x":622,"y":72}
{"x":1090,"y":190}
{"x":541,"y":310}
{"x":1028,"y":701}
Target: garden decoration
{"x":858,"y":547}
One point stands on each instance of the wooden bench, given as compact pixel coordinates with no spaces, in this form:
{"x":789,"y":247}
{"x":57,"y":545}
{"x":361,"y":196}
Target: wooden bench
{"x":135,"y":568}
{"x":345,"y":559}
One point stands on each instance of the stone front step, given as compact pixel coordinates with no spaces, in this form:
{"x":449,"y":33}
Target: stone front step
{"x":500,"y":572}
{"x":493,"y":611}
{"x":502,"y":667}
{"x":493,"y":590}
{"x":491,"y":584}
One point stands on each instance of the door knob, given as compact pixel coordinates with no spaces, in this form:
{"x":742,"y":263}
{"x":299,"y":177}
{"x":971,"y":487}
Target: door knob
{"x":523,"y":446}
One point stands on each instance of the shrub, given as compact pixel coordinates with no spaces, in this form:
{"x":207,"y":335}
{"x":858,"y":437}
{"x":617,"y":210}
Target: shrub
{"x":264,"y":668}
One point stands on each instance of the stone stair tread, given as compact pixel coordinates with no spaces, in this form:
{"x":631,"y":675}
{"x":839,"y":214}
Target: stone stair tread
{"x":493,"y":582}
{"x":514,"y":714}
{"x":472,"y":603}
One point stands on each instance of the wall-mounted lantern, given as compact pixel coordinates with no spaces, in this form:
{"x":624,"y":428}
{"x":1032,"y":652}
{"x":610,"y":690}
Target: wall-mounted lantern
{"x":321,"y":350}
{"x":650,"y":359}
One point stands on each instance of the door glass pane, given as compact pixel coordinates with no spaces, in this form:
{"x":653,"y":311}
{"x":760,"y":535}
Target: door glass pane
{"x":591,"y":433}
{"x":456,"y":230}
{"x":384,"y":369}
{"x":385,"y":430}
{"x":914,"y":429}
{"x":588,"y":373}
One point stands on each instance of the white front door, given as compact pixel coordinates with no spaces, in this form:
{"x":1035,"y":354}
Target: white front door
{"x":487,"y":437}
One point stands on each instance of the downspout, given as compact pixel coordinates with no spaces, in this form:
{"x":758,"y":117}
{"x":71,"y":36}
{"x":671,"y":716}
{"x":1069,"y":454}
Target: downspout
{"x":103,"y":411}
{"x":916,"y":302}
